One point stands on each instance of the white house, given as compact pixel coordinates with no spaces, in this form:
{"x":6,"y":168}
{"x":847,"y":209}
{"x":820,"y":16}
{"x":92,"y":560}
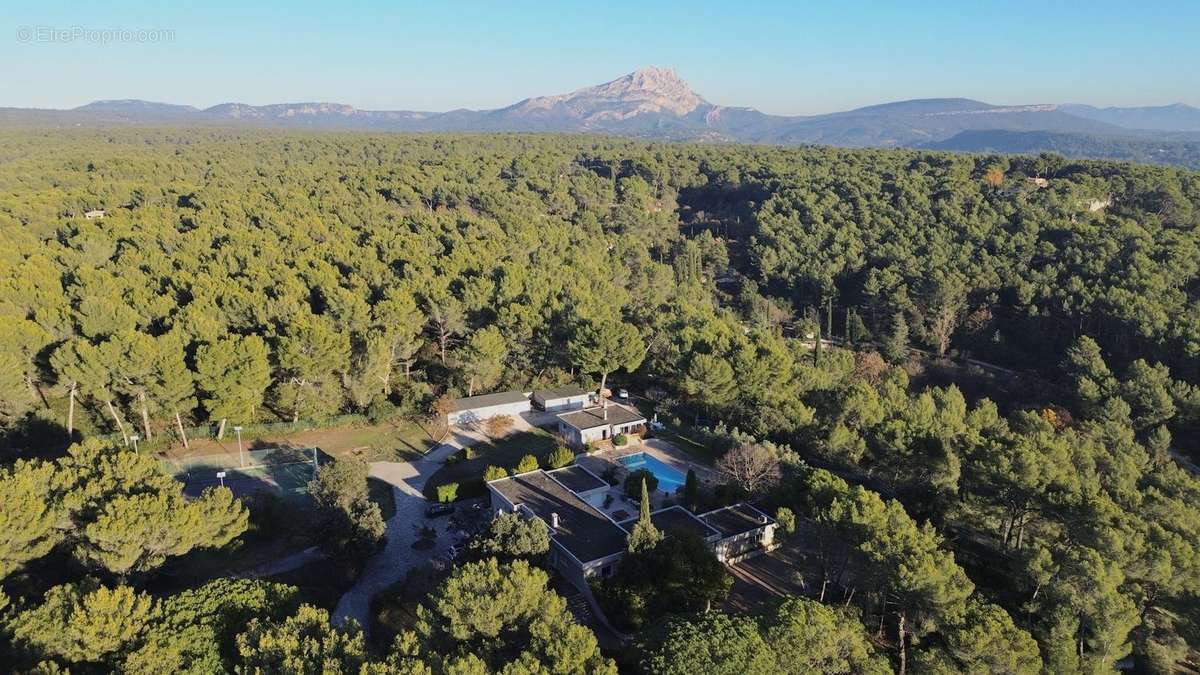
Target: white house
{"x":561,"y":398}
{"x":94,"y":214}
{"x":475,"y":409}
{"x":586,"y":542}
{"x":599,"y":423}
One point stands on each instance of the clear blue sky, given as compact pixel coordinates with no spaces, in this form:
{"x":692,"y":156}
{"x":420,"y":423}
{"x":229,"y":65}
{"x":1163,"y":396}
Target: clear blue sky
{"x":781,"y":57}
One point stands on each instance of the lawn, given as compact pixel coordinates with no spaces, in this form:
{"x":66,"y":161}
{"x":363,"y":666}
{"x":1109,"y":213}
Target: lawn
{"x":688,"y":441}
{"x":390,"y":441}
{"x":505,"y":452}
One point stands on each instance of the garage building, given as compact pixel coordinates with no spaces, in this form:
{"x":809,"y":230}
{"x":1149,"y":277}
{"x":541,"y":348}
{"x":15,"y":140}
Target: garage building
{"x":474,"y":409}
{"x":561,"y":398}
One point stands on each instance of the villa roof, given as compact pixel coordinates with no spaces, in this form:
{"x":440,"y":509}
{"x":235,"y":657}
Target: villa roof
{"x":737,"y":519}
{"x":488,"y":400}
{"x":675,"y":519}
{"x":560,"y":392}
{"x":577,"y":479}
{"x":590,"y":418}
{"x":583,"y":530}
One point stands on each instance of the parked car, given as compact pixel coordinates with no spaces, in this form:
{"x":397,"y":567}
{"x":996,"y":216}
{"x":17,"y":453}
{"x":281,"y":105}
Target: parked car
{"x":439,"y":510}
{"x":623,"y":393}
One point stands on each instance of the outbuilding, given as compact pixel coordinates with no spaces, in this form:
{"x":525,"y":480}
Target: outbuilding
{"x":475,"y":409}
{"x":561,"y":398}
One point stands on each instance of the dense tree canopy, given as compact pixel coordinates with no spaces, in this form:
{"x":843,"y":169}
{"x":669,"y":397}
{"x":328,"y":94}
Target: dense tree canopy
{"x":242,"y":277}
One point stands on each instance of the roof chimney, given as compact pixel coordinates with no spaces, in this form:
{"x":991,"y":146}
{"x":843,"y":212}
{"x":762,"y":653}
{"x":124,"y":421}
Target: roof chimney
{"x":554,"y":520}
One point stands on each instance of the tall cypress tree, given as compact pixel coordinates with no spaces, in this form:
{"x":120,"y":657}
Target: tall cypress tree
{"x":644,"y":535}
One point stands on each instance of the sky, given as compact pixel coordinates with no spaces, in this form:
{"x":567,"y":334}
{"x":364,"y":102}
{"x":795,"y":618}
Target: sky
{"x":793,"y":58}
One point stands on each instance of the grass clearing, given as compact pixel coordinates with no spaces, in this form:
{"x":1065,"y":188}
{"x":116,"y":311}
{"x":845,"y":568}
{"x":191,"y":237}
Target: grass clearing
{"x":504,"y":452}
{"x":692,"y":444}
{"x":389,"y":442}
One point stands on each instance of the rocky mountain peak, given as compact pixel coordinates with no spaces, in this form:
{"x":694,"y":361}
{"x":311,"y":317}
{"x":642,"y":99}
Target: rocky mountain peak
{"x":649,"y":90}
{"x":661,"y":88}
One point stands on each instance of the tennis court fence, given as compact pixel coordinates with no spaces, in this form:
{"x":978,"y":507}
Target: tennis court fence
{"x":286,"y":470}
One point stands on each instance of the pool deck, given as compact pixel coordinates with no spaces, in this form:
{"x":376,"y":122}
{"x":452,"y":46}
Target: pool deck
{"x":599,"y":462}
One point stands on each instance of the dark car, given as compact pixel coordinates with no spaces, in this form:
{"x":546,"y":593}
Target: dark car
{"x":438,"y":510}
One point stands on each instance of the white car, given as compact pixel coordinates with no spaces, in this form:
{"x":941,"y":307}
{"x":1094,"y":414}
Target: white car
{"x":623,"y":393}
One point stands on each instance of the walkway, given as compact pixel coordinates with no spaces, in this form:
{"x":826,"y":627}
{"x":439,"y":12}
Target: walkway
{"x":282,"y":565}
{"x":398,"y":556}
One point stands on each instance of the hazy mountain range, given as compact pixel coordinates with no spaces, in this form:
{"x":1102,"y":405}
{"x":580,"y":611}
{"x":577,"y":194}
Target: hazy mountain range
{"x":656,"y":103}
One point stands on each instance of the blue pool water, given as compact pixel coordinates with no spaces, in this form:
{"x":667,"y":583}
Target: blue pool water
{"x":669,"y":478}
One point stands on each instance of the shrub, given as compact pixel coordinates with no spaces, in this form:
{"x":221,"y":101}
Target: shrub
{"x":468,"y":453}
{"x":494,"y":473}
{"x":633,"y":483}
{"x":447,"y":493}
{"x":620,"y":439}
{"x":560,"y":457}
{"x":498,"y":425}
{"x":380,"y":411}
{"x":527,"y":463}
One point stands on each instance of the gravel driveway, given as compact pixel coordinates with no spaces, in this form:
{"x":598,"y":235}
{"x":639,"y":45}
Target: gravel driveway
{"x":407,"y":480}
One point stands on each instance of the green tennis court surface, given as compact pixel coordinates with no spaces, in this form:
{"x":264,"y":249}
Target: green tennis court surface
{"x":284,"y":471}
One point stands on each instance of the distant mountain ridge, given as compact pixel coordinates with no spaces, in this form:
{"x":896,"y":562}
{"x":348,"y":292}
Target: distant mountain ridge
{"x":1174,"y":117}
{"x":657,"y":103}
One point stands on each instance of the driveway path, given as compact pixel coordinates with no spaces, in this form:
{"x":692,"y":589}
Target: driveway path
{"x":393,"y":562}
{"x":285,"y":564}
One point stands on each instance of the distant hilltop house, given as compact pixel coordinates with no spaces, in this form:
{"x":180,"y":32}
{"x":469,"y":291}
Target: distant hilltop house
{"x":585,"y":542}
{"x":94,"y":214}
{"x":581,"y":420}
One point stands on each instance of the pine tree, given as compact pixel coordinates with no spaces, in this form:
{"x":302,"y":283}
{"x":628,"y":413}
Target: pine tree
{"x":32,"y":514}
{"x":895,"y":344}
{"x":233,"y":374}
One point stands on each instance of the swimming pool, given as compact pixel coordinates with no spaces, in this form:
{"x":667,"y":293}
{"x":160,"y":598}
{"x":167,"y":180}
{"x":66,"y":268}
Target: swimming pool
{"x":669,"y":478}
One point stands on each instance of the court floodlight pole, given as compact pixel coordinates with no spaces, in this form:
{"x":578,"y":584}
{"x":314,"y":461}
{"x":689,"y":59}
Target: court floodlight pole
{"x":241,"y":455}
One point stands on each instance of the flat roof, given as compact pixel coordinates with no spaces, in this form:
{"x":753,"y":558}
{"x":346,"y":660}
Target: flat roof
{"x":737,"y":519}
{"x":590,"y":418}
{"x":489,"y":400}
{"x":577,"y":479}
{"x":584,"y":531}
{"x":560,"y":392}
{"x":675,"y":519}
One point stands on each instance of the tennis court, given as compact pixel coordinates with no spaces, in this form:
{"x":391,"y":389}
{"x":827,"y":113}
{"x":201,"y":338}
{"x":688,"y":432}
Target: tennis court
{"x":285,"y":471}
